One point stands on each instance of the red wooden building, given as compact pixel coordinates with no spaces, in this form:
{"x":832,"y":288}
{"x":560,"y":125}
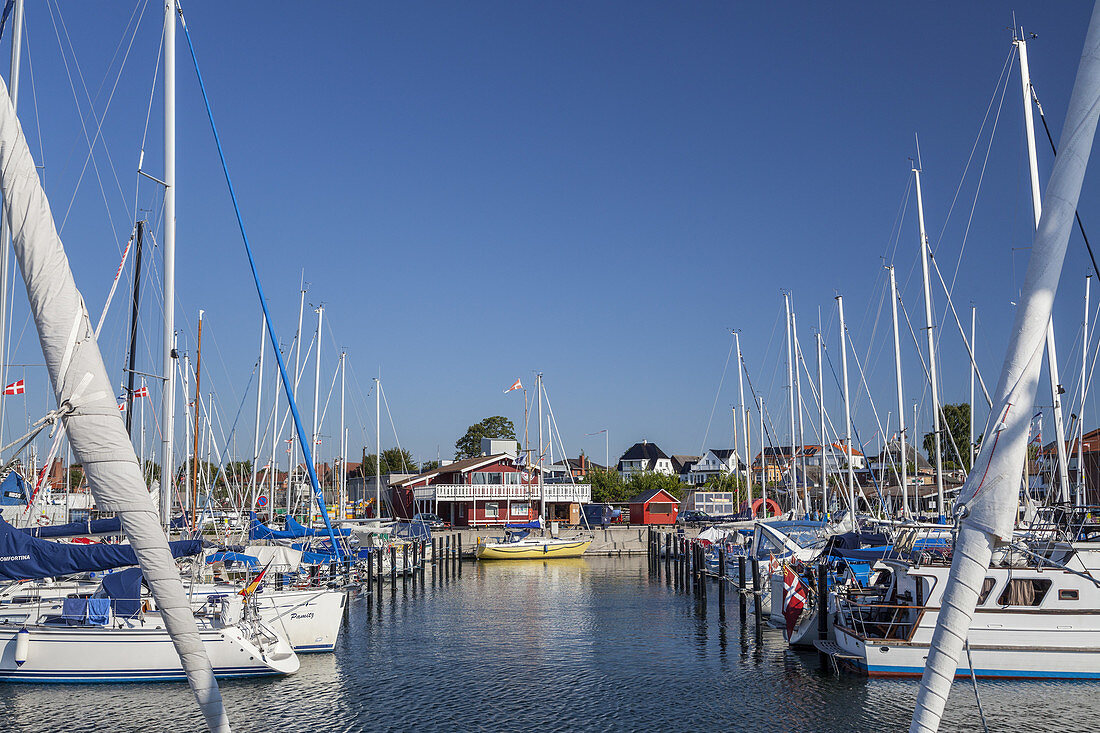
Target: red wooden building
{"x":654,"y":507}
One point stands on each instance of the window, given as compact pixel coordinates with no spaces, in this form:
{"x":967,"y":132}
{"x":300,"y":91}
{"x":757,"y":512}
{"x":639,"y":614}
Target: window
{"x":511,"y":477}
{"x":487,"y":477}
{"x":492,"y":510}
{"x":660,"y":508}
{"x":1024,"y":592}
{"x":987,"y":588}
{"x":1068,"y":595}
{"x":520,"y":509}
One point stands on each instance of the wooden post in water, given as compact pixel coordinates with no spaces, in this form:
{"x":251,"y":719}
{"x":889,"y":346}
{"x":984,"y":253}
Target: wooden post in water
{"x":378,"y":575}
{"x":722,"y":576}
{"x":822,"y":601}
{"x":370,"y":578}
{"x":458,"y":554}
{"x":404,"y":565}
{"x":701,"y":569}
{"x":756,"y":596}
{"x":741,"y":587}
{"x":668,"y":551}
{"x":393,"y":566}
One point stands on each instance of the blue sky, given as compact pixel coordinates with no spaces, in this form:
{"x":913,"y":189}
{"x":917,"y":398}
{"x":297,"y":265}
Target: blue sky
{"x":480,"y":191}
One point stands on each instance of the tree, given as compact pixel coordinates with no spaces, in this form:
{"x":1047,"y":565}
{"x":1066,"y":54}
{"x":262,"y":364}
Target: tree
{"x":240,"y":471}
{"x":607,"y":486}
{"x":394,"y":460}
{"x":954,"y":423}
{"x":151,"y":471}
{"x":429,"y":466}
{"x":469,"y":445}
{"x":643,"y":481}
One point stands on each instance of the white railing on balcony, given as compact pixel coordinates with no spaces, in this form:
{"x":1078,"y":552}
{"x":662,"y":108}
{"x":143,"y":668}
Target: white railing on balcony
{"x":573,"y":493}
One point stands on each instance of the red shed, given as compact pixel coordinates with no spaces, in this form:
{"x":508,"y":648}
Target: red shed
{"x":654,"y":507}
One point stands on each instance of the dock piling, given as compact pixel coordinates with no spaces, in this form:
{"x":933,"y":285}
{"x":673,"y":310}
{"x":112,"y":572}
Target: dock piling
{"x":741,"y":587}
{"x":757,"y":608}
{"x":722,"y":576}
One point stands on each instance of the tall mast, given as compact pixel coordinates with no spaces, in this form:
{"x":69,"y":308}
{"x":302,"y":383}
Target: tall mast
{"x":188,"y":428}
{"x":273,"y":466}
{"x":930,"y":324}
{"x":1081,"y":406}
{"x":821,"y":428}
{"x":378,"y":447}
{"x":315,"y":436}
{"x":168,"y":352}
{"x":5,"y":235}
{"x":293,"y":458}
{"x":198,"y":402}
{"x":790,"y":400}
{"x":342,"y":489}
{"x":133,"y":331}
{"x":744,"y":416}
{"x":847,"y":407}
{"x":763,"y":462}
{"x":798,"y":401}
{"x":901,"y":396}
{"x":538,"y":380}
{"x":973,"y":369}
{"x":1037,"y":210}
{"x":259,"y":400}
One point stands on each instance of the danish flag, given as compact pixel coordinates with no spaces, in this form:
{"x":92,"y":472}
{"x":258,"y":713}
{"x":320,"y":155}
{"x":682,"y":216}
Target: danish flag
{"x":19,"y":387}
{"x":143,"y":392}
{"x":795,"y":593}
{"x":514,"y":387}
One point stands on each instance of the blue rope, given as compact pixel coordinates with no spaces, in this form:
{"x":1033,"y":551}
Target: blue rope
{"x":307,"y":449}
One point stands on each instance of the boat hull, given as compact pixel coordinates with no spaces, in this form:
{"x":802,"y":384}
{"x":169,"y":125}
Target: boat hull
{"x":95,"y":654}
{"x":531,"y":551}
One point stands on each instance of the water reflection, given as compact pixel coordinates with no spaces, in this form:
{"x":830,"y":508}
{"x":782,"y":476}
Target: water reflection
{"x":592,"y":644}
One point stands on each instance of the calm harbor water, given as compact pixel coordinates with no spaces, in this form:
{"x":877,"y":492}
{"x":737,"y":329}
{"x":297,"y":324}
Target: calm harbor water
{"x":592,"y":644}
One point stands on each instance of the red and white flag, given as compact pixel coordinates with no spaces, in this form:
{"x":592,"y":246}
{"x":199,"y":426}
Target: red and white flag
{"x":795,"y":593}
{"x":514,"y":387}
{"x":19,"y":387}
{"x":143,"y":392}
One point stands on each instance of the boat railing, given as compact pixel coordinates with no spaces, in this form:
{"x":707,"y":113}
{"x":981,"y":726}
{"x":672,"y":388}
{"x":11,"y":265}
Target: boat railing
{"x":876,"y":620}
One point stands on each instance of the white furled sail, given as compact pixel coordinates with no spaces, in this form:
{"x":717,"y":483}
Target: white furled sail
{"x":87,"y":404}
{"x":988,"y":502}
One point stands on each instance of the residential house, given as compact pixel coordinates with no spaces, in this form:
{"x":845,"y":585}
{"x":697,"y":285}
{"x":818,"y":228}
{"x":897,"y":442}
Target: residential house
{"x":714,"y":463}
{"x":768,"y":465}
{"x":682,"y":466}
{"x":642,"y":457}
{"x":571,"y":469}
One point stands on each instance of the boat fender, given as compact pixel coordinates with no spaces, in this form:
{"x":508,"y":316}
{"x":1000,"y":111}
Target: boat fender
{"x":22,"y":645}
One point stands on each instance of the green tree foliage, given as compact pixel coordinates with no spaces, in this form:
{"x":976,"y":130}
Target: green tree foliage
{"x":429,"y":466}
{"x":394,"y":460}
{"x":725,"y":482}
{"x":239,"y":471}
{"x":607,"y":486}
{"x":643,"y":481}
{"x":150,"y":470}
{"x":954,"y":420}
{"x":469,"y":445}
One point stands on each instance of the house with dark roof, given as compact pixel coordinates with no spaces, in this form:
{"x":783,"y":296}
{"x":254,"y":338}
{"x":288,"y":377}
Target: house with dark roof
{"x":571,"y":469}
{"x":714,"y":463}
{"x":682,"y":465}
{"x":770,"y":463}
{"x":642,"y":457}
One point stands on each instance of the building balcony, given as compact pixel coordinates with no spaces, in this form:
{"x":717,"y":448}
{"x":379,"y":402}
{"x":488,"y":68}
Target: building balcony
{"x":571,"y":493}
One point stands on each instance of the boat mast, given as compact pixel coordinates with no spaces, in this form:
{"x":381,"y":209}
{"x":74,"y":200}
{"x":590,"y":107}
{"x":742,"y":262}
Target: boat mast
{"x":973,"y":369}
{"x":316,"y":438}
{"x":259,"y":400}
{"x":847,"y":407}
{"x":273,"y":466}
{"x":5,"y":234}
{"x":538,"y":381}
{"x":791,"y":471}
{"x":798,"y":400}
{"x":763,"y":462}
{"x":1081,"y":407}
{"x":744,"y":416}
{"x":168,"y":350}
{"x":1037,"y":210}
{"x":821,"y":428}
{"x":292,"y":459}
{"x":195,"y":437}
{"x":378,"y":447}
{"x":188,"y":428}
{"x":901,"y":396}
{"x":342,"y":499}
{"x":133,"y":331}
{"x":930,"y":324}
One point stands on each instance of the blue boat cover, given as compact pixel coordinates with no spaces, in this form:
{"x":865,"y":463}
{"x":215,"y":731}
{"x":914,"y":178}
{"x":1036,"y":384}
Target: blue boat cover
{"x":533,"y":524}
{"x":257,"y":530}
{"x":123,"y":591}
{"x":23,"y":557}
{"x":862,"y":571}
{"x":111,"y":525}
{"x":14,"y":491}
{"x":413,"y":531}
{"x":292,"y":525}
{"x":234,"y":557}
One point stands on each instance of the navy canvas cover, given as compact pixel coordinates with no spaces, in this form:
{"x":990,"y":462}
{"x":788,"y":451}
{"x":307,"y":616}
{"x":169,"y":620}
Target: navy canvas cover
{"x":14,"y":491}
{"x":111,"y":525}
{"x":23,"y":557}
{"x":123,"y":591}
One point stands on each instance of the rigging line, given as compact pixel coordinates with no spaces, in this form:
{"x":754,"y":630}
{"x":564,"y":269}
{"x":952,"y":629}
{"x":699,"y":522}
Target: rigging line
{"x":981,"y":178}
{"x":714,"y":405}
{"x":766,"y":420}
{"x":966,"y":341}
{"x":899,"y":219}
{"x":1004,"y":69}
{"x":855,"y":430}
{"x":328,"y":398}
{"x":307,"y":451}
{"x":1054,"y":149}
{"x":34,"y":97}
{"x":99,"y":120}
{"x":874,"y":411}
{"x":393,"y":427}
{"x":148,"y":116}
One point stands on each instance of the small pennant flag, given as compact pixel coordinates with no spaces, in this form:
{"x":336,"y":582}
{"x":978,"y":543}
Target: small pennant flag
{"x":514,"y":387}
{"x":255,"y":584}
{"x":122,"y":407}
{"x":19,"y":387}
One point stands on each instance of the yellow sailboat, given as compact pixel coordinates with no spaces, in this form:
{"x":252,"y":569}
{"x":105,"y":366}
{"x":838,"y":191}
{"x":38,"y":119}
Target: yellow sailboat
{"x":532,"y":548}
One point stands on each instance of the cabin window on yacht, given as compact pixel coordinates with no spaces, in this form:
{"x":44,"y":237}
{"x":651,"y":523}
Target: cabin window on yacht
{"x":492,"y":510}
{"x":987,"y":588}
{"x":1067,"y":594}
{"x":1024,"y":592}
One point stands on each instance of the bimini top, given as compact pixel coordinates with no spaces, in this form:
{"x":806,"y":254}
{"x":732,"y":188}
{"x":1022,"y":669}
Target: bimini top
{"x":23,"y":557}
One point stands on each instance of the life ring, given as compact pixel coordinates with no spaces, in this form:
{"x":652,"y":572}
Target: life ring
{"x":767,"y":504}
